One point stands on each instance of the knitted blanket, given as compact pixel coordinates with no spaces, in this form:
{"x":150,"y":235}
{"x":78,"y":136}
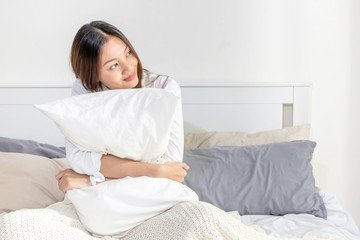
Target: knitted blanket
{"x":184,"y":221}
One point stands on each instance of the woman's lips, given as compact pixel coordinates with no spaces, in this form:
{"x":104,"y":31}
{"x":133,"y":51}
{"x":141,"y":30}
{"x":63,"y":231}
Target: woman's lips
{"x":130,"y":78}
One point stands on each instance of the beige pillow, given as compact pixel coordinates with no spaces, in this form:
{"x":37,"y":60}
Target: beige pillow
{"x":211,"y":139}
{"x":28,"y":181}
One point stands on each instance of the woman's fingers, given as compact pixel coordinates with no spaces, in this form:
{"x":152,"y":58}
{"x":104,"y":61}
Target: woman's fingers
{"x":61,"y":186}
{"x":59,"y":175}
{"x":174,"y":170}
{"x":181,"y":173}
{"x":69,"y":179}
{"x":185,"y":166}
{"x":64,"y":179}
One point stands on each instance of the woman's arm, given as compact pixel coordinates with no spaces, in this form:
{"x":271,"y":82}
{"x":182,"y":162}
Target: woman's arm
{"x":114,"y":167}
{"x":87,"y":165}
{"x":99,"y":167}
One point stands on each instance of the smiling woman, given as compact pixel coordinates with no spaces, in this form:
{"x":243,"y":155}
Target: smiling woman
{"x":102,"y":58}
{"x":118,"y":66}
{"x":102,"y":55}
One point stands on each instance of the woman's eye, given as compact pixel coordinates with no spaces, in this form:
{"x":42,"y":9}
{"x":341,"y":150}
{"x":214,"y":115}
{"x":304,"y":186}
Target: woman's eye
{"x":113,"y":66}
{"x":128,"y":53}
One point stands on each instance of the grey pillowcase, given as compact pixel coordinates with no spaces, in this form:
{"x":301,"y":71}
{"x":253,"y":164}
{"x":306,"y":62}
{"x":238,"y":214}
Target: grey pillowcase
{"x":31,"y":147}
{"x":271,"y":179}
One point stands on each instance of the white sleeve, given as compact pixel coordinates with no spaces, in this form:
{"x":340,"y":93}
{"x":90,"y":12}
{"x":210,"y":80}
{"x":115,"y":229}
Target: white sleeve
{"x":175,"y":149}
{"x":83,"y":162}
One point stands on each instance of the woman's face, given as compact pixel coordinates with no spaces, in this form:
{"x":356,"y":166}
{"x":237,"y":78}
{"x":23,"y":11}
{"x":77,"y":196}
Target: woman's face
{"x":118,"y":66}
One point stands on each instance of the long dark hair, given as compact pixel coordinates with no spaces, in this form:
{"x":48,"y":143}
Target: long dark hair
{"x":86,"y":49}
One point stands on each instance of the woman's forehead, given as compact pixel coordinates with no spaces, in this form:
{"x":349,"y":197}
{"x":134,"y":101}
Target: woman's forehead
{"x":113,"y":48}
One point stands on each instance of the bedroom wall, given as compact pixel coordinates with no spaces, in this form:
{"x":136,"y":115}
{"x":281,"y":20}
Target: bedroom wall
{"x":229,"y":40}
{"x":353,"y":127}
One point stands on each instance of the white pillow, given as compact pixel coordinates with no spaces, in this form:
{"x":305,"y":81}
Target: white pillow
{"x":115,"y":207}
{"x":128,"y":123}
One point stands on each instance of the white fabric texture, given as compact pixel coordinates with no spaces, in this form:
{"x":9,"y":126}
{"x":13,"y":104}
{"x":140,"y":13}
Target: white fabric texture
{"x":185,"y":221}
{"x":88,"y":162}
{"x":339,"y":222}
{"x":115,"y":207}
{"x":127,"y":123}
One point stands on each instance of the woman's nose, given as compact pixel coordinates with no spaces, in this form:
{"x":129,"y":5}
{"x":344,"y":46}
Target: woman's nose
{"x":127,"y":68}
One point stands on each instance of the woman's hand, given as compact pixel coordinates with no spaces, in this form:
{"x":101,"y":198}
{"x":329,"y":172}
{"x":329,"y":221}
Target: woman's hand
{"x":173,"y":170}
{"x":68,"y":179}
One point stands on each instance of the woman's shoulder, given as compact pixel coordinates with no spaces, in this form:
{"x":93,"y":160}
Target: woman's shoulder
{"x":153,"y":80}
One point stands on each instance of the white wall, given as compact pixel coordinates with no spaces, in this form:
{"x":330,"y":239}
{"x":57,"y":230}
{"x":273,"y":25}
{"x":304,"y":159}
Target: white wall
{"x":314,"y":41}
{"x":353,"y":118}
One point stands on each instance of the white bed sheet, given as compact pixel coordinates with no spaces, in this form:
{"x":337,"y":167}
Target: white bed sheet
{"x":339,"y":222}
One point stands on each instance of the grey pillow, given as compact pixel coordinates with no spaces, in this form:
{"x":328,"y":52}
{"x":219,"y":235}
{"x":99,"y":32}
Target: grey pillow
{"x":31,"y":147}
{"x":271,"y":179}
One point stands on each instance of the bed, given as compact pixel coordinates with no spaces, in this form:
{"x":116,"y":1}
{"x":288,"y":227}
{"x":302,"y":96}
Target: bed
{"x":227,"y":127}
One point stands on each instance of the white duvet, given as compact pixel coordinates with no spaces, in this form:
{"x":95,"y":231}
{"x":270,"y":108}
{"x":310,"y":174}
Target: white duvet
{"x":185,"y":221}
{"x":339,"y":222}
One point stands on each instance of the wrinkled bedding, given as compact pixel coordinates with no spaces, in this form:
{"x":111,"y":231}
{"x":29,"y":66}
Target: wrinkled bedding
{"x":338,"y":222}
{"x":187,"y":220}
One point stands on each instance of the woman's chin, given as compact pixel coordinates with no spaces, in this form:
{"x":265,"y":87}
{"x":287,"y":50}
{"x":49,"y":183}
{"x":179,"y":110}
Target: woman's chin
{"x":130,"y":84}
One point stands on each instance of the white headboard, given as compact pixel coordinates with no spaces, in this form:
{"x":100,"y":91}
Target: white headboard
{"x":246,"y":107}
{"x":210,"y":107}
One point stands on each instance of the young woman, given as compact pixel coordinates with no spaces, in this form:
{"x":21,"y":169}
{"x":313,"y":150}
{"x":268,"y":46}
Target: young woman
{"x":102,"y":58}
